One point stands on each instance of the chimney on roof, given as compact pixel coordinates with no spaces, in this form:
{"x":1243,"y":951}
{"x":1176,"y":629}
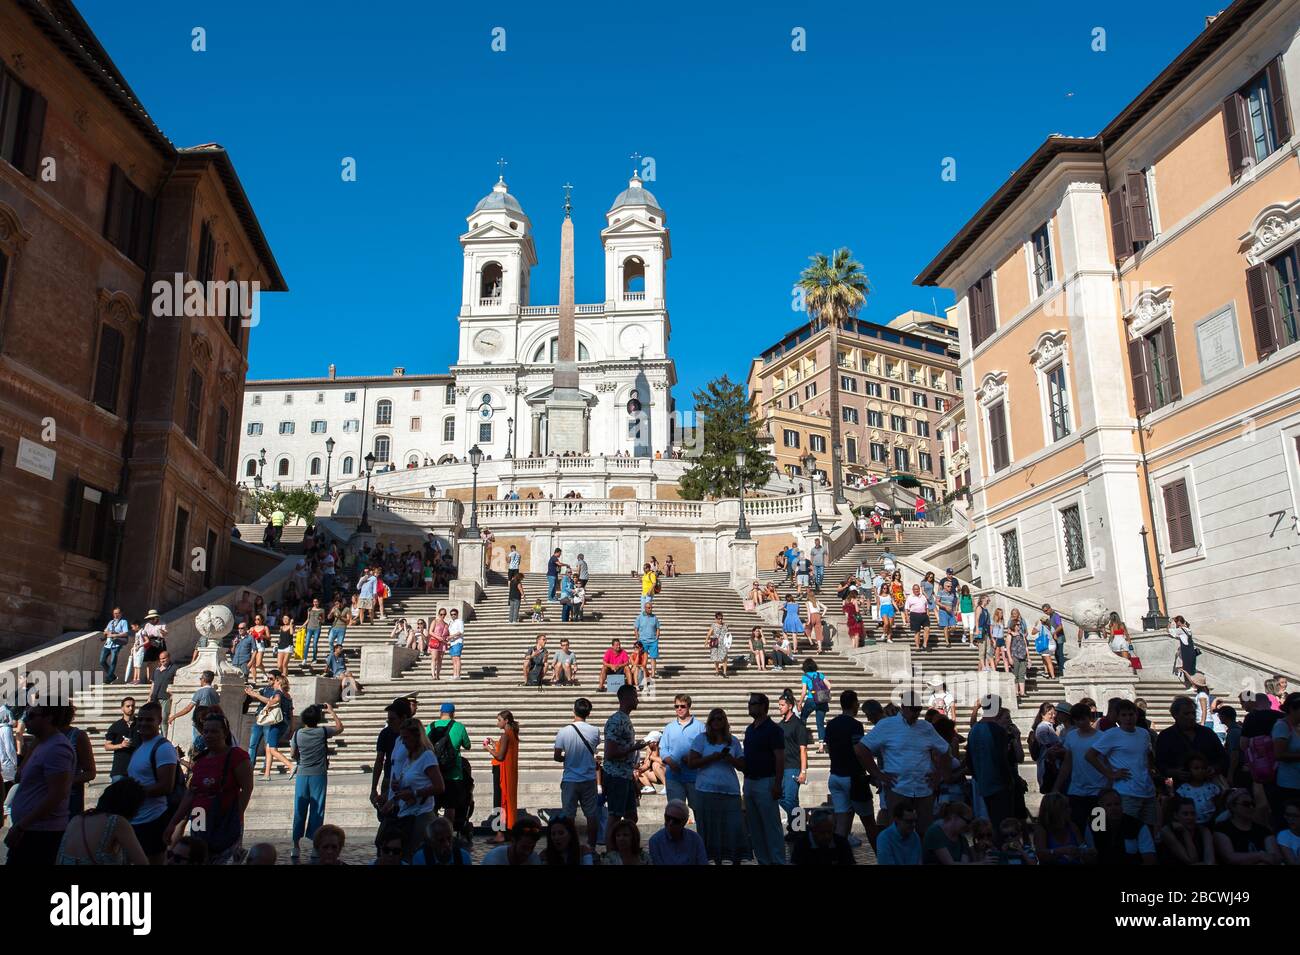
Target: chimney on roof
{"x":399,"y":372}
{"x":332,"y":371}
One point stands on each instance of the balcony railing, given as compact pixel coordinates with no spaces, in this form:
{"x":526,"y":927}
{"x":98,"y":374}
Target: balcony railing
{"x":490,"y":301}
{"x":634,"y":296}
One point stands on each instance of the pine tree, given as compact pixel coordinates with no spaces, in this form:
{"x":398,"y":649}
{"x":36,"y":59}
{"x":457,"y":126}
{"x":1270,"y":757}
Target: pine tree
{"x":722,"y":411}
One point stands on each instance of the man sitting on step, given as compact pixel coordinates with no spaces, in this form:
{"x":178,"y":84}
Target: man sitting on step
{"x":615,"y":662}
{"x":535,"y":662}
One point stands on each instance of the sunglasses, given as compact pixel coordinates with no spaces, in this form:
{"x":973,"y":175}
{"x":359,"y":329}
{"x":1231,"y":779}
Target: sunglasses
{"x":680,"y":706}
{"x":674,"y":820}
{"x":390,"y":850}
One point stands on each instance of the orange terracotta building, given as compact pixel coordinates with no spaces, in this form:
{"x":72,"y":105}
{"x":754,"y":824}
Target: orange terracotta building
{"x":1129,"y":311}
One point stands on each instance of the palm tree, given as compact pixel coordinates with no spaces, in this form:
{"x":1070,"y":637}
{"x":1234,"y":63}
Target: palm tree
{"x":834,"y":289}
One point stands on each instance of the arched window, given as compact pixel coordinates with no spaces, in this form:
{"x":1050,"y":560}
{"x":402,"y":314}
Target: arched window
{"x":313,"y":468}
{"x":250,"y":469}
{"x":413,"y":459}
{"x":347,"y":464}
{"x":382,"y":446}
{"x":282,"y":468}
{"x":633,"y":278}
{"x":490,"y":283}
{"x":546,"y":352}
{"x":384,"y":412}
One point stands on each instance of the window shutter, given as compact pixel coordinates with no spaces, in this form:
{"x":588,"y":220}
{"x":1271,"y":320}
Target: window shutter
{"x":1141,"y":371}
{"x":998,"y":435}
{"x":1178,"y":517}
{"x":1234,"y":131}
{"x":1171,"y":362}
{"x":973,"y":309}
{"x":33,"y":126}
{"x":1277,"y":89}
{"x":1263,"y":311}
{"x":1119,"y":230}
{"x":108,"y":368}
{"x":143,"y":230}
{"x":988,"y":322}
{"x":114,"y":210}
{"x":1139,"y":207}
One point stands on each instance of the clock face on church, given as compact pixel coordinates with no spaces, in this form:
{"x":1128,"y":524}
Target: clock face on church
{"x":633,"y":339}
{"x":488,"y":342}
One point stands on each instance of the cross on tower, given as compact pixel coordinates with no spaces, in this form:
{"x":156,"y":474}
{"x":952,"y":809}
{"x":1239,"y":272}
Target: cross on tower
{"x":568,"y":189}
{"x":636,"y":167}
{"x":501,"y":164}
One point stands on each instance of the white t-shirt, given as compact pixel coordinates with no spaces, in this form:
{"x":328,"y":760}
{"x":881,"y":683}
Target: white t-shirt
{"x":411,"y":774}
{"x":1128,"y":751}
{"x":1203,"y":796}
{"x":905,"y":751}
{"x":456,"y":630}
{"x":141,"y":770}
{"x":501,"y":856}
{"x":579,"y":761}
{"x":943,"y":702}
{"x":1085,"y":780}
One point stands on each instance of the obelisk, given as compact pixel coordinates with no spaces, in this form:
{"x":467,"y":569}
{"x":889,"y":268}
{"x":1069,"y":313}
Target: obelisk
{"x":565,"y":408}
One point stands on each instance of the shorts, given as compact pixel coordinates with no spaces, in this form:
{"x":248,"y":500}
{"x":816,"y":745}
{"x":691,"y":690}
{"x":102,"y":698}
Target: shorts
{"x":452,"y":795}
{"x":1018,"y":667}
{"x":841,"y":791}
{"x":150,"y":834}
{"x":573,"y":795}
{"x":803,"y":580}
{"x":887,"y":610}
{"x":455,"y":648}
{"x":620,"y":796}
{"x":651,"y":648}
{"x":919,"y":621}
{"x":946,"y":619}
{"x":366,"y":603}
{"x":1141,"y":808}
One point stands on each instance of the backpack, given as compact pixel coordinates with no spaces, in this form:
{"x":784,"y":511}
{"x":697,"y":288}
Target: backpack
{"x":178,"y":781}
{"x":1041,"y":641}
{"x":821,"y":692}
{"x":1261,"y":758}
{"x":443,"y":748}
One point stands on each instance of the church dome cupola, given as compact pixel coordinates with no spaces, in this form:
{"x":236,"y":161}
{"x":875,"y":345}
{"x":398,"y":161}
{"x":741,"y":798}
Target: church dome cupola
{"x":636,"y":194}
{"x":499,"y":198}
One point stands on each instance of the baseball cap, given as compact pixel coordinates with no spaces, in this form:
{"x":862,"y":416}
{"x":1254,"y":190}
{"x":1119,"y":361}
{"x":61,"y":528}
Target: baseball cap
{"x":447,"y":708}
{"x":654,"y":736}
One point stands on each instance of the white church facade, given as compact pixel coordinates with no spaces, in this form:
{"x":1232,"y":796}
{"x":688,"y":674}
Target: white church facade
{"x":495,"y":394}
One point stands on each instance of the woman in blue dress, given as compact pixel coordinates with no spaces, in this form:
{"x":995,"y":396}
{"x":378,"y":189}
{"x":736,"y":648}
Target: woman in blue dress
{"x":791,"y":623}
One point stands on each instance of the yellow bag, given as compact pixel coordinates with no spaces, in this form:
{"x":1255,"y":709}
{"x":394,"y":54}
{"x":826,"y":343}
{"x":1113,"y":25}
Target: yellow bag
{"x":300,"y":643}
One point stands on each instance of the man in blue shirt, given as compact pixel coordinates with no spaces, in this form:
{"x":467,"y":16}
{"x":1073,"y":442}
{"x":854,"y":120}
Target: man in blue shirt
{"x":675,"y":844}
{"x":791,"y":558}
{"x":241,"y":654}
{"x":818,"y":556}
{"x":764,"y":766}
{"x":115,"y":634}
{"x":899,"y":844}
{"x":647,"y":631}
{"x":673,"y":747}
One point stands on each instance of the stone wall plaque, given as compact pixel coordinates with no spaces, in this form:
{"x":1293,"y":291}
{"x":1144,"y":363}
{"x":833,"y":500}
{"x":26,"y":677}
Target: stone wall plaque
{"x":1217,"y":344}
{"x":601,"y":555}
{"x":35,"y":458}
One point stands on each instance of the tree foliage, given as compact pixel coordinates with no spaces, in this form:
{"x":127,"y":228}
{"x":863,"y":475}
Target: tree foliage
{"x":296,"y":503}
{"x":722,"y":411}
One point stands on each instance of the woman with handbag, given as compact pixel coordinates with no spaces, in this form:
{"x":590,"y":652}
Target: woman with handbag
{"x":272,"y":718}
{"x":1185,"y":661}
{"x":719,"y":642}
{"x":221,"y":784}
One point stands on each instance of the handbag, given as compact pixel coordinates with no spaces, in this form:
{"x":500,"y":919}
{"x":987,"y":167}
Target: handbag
{"x":300,"y":642}
{"x":270,"y":715}
{"x":1135,"y":662}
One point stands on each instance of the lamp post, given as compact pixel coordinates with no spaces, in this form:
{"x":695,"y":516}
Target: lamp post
{"x":329,"y":456}
{"x":742,"y":529}
{"x":837,"y":457}
{"x":261,"y":463}
{"x":1153,"y":619}
{"x":810,"y":465}
{"x":364,"y":526}
{"x":475,"y":459}
{"x":432,"y":491}
{"x":119,"y":531}
{"x":510,"y":437}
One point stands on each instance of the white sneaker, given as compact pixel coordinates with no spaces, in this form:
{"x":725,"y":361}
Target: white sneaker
{"x":647,"y":789}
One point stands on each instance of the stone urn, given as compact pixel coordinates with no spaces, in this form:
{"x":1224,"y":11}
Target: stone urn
{"x":212,"y":624}
{"x":1095,"y":672}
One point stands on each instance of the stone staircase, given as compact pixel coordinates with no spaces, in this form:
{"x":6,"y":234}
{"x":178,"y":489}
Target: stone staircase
{"x":290,"y":538}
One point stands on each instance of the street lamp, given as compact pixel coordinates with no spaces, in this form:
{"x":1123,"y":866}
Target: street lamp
{"x":119,"y":531}
{"x":1154,"y":619}
{"x":510,"y":437}
{"x":742,"y":529}
{"x":810,"y":465}
{"x":475,"y":459}
{"x":364,"y":526}
{"x":432,"y":490}
{"x":329,"y":455}
{"x":837,"y":456}
{"x":261,"y":463}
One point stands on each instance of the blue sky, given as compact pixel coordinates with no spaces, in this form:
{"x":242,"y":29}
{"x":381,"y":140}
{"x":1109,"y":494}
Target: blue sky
{"x":763,"y":155}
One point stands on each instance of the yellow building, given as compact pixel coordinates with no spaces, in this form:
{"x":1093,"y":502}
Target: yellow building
{"x":1128,"y":311}
{"x":895,"y":382}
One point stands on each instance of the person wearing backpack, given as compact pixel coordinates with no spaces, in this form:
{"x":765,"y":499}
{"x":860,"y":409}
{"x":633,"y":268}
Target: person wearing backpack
{"x":448,"y":738}
{"x":1255,"y":761}
{"x":815,"y":697}
{"x":155,"y":766}
{"x":310,"y":751}
{"x":1045,"y":646}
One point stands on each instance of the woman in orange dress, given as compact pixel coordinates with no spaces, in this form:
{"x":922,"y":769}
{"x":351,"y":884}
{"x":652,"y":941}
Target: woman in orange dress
{"x":505,"y":769}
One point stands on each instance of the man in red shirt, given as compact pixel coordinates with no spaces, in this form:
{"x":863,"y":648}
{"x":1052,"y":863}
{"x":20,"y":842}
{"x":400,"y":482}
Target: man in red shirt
{"x":615,"y":660}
